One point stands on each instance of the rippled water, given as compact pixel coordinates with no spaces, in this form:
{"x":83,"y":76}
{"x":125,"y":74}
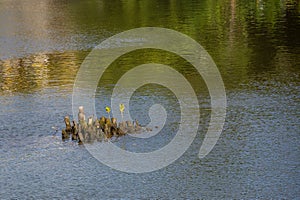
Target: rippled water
{"x":255,"y":46}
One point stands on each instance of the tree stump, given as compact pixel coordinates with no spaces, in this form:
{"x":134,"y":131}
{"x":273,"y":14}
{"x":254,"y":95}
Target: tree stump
{"x":114,"y":127}
{"x":107,"y":128}
{"x":102,"y":123}
{"x":137,"y":126}
{"x":130,"y":127}
{"x":80,"y":138}
{"x":122,"y":128}
{"x":74,"y":131}
{"x":68,"y":130}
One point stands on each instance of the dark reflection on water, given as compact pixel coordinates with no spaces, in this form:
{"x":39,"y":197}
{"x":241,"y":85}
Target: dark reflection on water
{"x":256,"y":47}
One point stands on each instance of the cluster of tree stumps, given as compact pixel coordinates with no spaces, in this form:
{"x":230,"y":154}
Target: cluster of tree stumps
{"x":97,"y":129}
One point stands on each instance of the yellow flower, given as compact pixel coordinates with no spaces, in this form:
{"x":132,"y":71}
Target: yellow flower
{"x":107,"y":109}
{"x":122,"y":107}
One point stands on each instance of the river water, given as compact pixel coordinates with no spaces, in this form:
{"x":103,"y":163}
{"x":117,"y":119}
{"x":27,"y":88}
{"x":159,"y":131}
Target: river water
{"x":255,"y":45}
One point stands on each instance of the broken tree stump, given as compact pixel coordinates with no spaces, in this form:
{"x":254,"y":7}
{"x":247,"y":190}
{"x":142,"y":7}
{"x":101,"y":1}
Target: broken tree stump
{"x":68,"y":130}
{"x":74,"y":131}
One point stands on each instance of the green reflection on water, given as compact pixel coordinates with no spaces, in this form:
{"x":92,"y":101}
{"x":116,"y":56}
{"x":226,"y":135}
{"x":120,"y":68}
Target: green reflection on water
{"x":248,"y":40}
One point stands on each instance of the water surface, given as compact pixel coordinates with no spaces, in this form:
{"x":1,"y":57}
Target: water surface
{"x":256,"y":47}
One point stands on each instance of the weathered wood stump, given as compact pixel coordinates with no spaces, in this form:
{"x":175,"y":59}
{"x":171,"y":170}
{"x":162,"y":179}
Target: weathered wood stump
{"x":81,"y":115}
{"x":130,"y":127}
{"x":81,"y":125}
{"x":97,"y":130}
{"x":99,"y":133}
{"x":137,"y":126}
{"x":74,"y":131}
{"x":107,"y":128}
{"x":114,"y":127}
{"x":102,"y":123}
{"x":80,"y":138}
{"x":122,"y":128}
{"x":68,"y":130}
{"x":90,"y":130}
